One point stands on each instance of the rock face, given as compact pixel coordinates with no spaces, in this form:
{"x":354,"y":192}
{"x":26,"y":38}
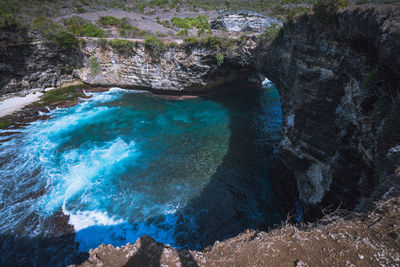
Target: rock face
{"x":352,"y":241}
{"x":338,"y":77}
{"x":27,"y":63}
{"x":177,"y":69}
{"x":243,"y":21}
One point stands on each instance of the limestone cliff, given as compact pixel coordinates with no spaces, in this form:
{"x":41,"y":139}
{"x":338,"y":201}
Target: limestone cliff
{"x":26,"y":62}
{"x":338,"y":77}
{"x":177,"y":68}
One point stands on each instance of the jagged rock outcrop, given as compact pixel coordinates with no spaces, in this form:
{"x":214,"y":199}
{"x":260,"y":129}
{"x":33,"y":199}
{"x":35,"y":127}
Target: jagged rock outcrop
{"x":27,"y":62}
{"x":338,"y":77}
{"x":192,"y":69}
{"x":338,"y":240}
{"x":243,"y":21}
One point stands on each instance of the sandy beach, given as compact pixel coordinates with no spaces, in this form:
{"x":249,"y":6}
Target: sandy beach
{"x":15,"y":103}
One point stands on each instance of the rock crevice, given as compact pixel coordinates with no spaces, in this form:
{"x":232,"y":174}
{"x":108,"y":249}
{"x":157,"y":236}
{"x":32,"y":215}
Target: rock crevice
{"x":338,"y":78}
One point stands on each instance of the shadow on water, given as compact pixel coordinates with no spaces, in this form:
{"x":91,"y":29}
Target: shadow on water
{"x":240,"y":195}
{"x":40,"y":251}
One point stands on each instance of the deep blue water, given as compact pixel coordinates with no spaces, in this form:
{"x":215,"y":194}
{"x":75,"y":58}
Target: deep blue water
{"x":125,"y":164}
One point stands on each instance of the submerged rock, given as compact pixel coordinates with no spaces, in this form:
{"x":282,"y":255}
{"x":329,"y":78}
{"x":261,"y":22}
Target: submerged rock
{"x":243,"y":21}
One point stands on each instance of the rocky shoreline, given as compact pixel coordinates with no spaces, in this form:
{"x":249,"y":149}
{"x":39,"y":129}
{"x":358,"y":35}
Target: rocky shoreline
{"x":338,"y":78}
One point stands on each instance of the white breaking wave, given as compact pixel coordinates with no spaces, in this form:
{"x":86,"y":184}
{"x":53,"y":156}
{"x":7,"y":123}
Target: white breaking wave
{"x":83,"y":167}
{"x":84,"y":219}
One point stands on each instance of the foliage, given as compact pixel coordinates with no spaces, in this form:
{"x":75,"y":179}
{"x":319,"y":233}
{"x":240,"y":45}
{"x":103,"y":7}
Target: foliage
{"x":45,"y":26}
{"x":200,"y":22}
{"x":5,"y":124}
{"x":183,"y":32}
{"x":109,"y":21}
{"x":78,"y":26}
{"x":102,"y":42}
{"x":327,"y":8}
{"x":54,"y":33}
{"x":125,"y":28}
{"x":201,"y":32}
{"x":121,"y":45}
{"x":171,"y":45}
{"x":154,"y":42}
{"x":94,"y":65}
{"x":7,"y":20}
{"x":158,"y":2}
{"x":271,"y":32}
{"x":220,"y":59}
{"x":192,"y":41}
{"x":165,"y":23}
{"x":211,"y":42}
{"x":65,"y":40}
{"x":63,"y":94}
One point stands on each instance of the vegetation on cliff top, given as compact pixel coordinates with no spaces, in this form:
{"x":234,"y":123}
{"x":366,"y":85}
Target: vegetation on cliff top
{"x":212,"y":42}
{"x":121,"y":45}
{"x":327,"y":8}
{"x":124,"y":27}
{"x":12,"y":11}
{"x":80,"y":27}
{"x":54,"y":33}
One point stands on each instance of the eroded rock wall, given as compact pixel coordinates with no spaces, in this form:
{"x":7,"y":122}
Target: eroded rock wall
{"x":187,"y":69}
{"x":26,"y":62}
{"x":338,"y":77}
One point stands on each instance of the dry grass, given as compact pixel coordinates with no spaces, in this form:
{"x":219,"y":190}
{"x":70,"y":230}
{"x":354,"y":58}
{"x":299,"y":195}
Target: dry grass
{"x":340,"y":239}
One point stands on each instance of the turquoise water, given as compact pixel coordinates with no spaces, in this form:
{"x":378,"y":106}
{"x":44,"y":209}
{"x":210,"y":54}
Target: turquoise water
{"x":125,"y":164}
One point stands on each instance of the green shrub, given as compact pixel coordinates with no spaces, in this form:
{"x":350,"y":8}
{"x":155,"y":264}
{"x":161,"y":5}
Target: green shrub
{"x":271,"y":32}
{"x":171,"y":45}
{"x":181,"y":23}
{"x":154,"y":42}
{"x":102,"y":42}
{"x":54,"y":33}
{"x":165,"y":23}
{"x":94,"y":66}
{"x":191,"y":41}
{"x":125,"y":29}
{"x":122,"y":32}
{"x":121,"y":45}
{"x":109,"y":21}
{"x":211,"y":42}
{"x":327,"y":8}
{"x":220,"y":59}
{"x":78,"y":26}
{"x":219,"y":42}
{"x":183,"y":32}
{"x":80,"y":10}
{"x":7,"y":20}
{"x":200,"y":22}
{"x":45,"y":27}
{"x":65,"y":40}
{"x":158,"y":2}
